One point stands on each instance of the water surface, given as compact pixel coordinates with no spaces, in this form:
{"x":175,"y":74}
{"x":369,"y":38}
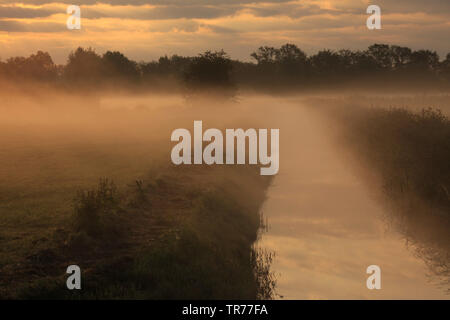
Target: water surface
{"x":325,"y":228}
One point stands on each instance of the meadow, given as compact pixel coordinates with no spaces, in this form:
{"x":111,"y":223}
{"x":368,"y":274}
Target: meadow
{"x":89,"y":183}
{"x":87,"y":179}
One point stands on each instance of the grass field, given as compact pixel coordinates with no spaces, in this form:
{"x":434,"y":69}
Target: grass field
{"x":83,"y":182}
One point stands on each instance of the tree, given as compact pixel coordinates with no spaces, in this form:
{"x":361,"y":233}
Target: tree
{"x":117,"y":66}
{"x":210,"y":71}
{"x":265,"y":55}
{"x":400,"y":56}
{"x":381,"y":53}
{"x":37,"y":66}
{"x":326,"y":63}
{"x":288,"y":63}
{"x":445,"y":68}
{"x":290,"y":53}
{"x":292,"y":61}
{"x":424,"y":60}
{"x":167,"y":72}
{"x":84,"y":66}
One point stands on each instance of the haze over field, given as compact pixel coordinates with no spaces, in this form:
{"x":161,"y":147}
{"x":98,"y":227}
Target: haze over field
{"x":88,"y":177}
{"x":53,"y":144}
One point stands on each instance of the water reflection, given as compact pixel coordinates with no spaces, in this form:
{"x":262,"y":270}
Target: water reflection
{"x":326,"y":229}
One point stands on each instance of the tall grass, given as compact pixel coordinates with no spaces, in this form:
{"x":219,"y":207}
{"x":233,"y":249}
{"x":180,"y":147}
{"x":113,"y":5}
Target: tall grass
{"x":188,"y":236}
{"x":97,"y":211}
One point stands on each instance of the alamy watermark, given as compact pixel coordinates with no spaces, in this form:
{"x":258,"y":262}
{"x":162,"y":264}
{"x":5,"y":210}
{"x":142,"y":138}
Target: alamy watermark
{"x":374,"y":20}
{"x":213,"y":153}
{"x":374,"y":281}
{"x":74,"y":20}
{"x":74,"y":280}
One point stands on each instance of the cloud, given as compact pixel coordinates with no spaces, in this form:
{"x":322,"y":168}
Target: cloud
{"x":148,"y":2}
{"x":148,"y":28}
{"x":219,"y":29}
{"x":159,"y":12}
{"x":20,"y":12}
{"x":410,"y":6}
{"x":35,"y":27}
{"x":11,"y":26}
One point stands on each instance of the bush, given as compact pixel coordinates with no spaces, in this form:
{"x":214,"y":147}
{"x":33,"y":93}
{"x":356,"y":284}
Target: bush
{"x":97,"y":211}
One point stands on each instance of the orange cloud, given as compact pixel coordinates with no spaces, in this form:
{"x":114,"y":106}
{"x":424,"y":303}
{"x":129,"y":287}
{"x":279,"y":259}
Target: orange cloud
{"x":147,"y":29}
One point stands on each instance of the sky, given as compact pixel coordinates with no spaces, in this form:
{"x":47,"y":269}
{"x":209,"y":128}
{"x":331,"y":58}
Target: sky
{"x":147,"y":29}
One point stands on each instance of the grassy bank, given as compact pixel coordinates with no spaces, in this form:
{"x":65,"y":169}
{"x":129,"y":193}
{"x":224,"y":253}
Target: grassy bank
{"x":150,"y":230}
{"x":180,"y":233}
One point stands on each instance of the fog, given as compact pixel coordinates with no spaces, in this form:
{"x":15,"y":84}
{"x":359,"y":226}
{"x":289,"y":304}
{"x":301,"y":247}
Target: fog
{"x":325,"y":220}
{"x":326,"y":224}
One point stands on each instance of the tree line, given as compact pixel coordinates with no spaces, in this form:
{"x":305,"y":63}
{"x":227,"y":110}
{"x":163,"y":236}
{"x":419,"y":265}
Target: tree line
{"x":285,"y":67}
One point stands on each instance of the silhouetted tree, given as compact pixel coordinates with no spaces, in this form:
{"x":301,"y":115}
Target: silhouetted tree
{"x":285,"y":64}
{"x":210,"y":72}
{"x":166,"y":70}
{"x":400,"y":56}
{"x":117,"y":66}
{"x":327,"y":63}
{"x":84,"y":66}
{"x":37,"y":66}
{"x":381,"y":53}
{"x":293,"y":61}
{"x":365,"y":63}
{"x":424,"y":60}
{"x":265,"y":55}
{"x":445,"y":68}
{"x":285,"y":67}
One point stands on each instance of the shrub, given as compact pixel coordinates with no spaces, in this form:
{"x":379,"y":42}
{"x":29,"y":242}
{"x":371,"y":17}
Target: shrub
{"x":97,"y":211}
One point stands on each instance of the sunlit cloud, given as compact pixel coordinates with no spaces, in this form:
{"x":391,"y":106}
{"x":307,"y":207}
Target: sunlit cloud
{"x":146,"y":29}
